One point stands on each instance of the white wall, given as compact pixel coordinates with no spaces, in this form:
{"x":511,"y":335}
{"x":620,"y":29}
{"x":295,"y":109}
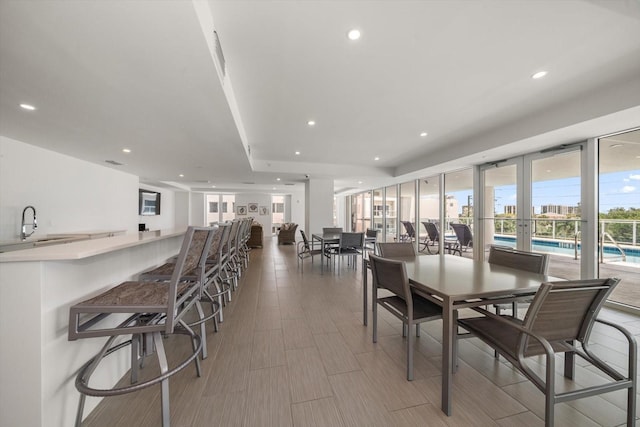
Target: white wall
{"x":68,"y":194}
{"x":262,"y":199}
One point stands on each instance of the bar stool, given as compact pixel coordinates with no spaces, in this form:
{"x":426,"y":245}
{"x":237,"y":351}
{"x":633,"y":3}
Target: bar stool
{"x":154,"y":309}
{"x":197,"y":274}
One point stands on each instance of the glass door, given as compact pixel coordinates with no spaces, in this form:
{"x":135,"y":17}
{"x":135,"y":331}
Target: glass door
{"x":619,"y":215}
{"x":532,"y":203}
{"x":502,"y":207}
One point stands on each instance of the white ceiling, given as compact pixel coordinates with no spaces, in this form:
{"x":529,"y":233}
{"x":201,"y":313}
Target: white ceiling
{"x":107,"y":75}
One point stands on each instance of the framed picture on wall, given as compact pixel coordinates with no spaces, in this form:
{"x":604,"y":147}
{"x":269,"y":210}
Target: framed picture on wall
{"x":241,"y":210}
{"x":253,"y":208}
{"x":264,"y":210}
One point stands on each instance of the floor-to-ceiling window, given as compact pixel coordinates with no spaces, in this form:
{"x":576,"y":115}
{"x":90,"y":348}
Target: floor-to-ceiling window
{"x":360,"y":212}
{"x":377,"y":217}
{"x":458,"y":190}
{"x":619,"y":214}
{"x":408,"y":209}
{"x":428,"y":208}
{"x":391,"y":213}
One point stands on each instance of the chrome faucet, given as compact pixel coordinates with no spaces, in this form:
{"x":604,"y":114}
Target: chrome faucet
{"x":34,"y":224}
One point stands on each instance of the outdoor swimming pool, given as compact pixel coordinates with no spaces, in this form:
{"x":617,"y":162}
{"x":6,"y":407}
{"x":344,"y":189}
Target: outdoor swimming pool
{"x":562,"y":247}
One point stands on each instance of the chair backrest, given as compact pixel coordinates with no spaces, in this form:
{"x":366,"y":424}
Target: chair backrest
{"x":463,"y":234}
{"x":396,"y":249}
{"x":432,"y":231}
{"x":305,"y":240}
{"x":372,"y":232}
{"x":194,"y":250}
{"x":408,"y":226}
{"x":334,"y":230}
{"x":522,"y":260}
{"x":351,"y":240}
{"x":199,"y":247}
{"x":391,"y":275}
{"x":233,"y":235}
{"x":222,"y":252}
{"x":215,"y":241}
{"x":564,"y":311}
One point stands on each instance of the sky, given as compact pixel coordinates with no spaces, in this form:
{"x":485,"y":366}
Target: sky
{"x":619,"y":189}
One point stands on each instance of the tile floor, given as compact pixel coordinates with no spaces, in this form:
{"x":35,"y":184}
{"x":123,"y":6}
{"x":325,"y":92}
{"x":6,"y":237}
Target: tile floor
{"x":292,"y":351}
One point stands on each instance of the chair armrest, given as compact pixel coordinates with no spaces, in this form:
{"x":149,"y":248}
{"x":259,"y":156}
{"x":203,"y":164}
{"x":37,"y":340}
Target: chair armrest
{"x":545,"y":344}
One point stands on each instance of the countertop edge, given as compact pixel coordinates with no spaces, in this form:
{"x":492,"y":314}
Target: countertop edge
{"x":88,"y":248}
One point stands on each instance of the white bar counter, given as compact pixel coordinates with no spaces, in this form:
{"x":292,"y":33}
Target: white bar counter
{"x":38,"y":364}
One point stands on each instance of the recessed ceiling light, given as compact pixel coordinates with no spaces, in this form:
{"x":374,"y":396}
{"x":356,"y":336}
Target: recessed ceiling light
{"x":311,"y":122}
{"x":28,"y":107}
{"x":354,"y":34}
{"x":376,"y":158}
{"x":213,"y":186}
{"x":539,"y":75}
{"x":126,"y":150}
{"x":297,"y":153}
{"x":277,"y":179}
{"x":181,"y":176}
{"x":615,"y":146}
{"x":423,"y":134}
{"x":273,"y":188}
{"x":359,"y":182}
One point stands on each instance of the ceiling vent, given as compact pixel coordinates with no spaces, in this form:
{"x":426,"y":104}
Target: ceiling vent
{"x":248,"y":183}
{"x":219,"y":54}
{"x":114,"y":163}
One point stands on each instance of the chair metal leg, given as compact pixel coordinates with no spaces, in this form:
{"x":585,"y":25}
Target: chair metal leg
{"x":417,"y":329}
{"x":203,"y":330}
{"x":164,"y":384}
{"x":409,"y":354}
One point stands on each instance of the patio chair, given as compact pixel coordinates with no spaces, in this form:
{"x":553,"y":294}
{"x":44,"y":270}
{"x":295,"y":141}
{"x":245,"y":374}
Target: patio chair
{"x":431,"y":241}
{"x":410,"y":232}
{"x":411,"y":308}
{"x":561,"y":314}
{"x":464,"y":236}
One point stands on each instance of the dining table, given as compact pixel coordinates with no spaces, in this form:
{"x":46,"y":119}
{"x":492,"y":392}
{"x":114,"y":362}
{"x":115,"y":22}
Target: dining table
{"x":333,"y":239}
{"x":455,"y":283}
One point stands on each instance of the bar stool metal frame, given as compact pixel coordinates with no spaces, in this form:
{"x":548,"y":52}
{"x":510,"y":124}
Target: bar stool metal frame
{"x":155,"y":309}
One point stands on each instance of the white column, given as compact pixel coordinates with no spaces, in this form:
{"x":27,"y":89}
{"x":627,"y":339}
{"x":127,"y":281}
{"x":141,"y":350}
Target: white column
{"x":318,"y":204}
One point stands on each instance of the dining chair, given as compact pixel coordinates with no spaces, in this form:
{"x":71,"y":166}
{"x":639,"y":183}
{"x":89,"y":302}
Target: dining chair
{"x":155,"y":310}
{"x":407,"y":306}
{"x":464,"y":238}
{"x":331,"y":230}
{"x":371,"y":237}
{"x":305,"y":249}
{"x":351,"y":246}
{"x":506,"y":256}
{"x":396,"y":249}
{"x":560,"y":315}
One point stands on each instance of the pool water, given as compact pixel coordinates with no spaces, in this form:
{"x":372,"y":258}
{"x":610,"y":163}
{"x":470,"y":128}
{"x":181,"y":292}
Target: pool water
{"x":568,"y":248}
